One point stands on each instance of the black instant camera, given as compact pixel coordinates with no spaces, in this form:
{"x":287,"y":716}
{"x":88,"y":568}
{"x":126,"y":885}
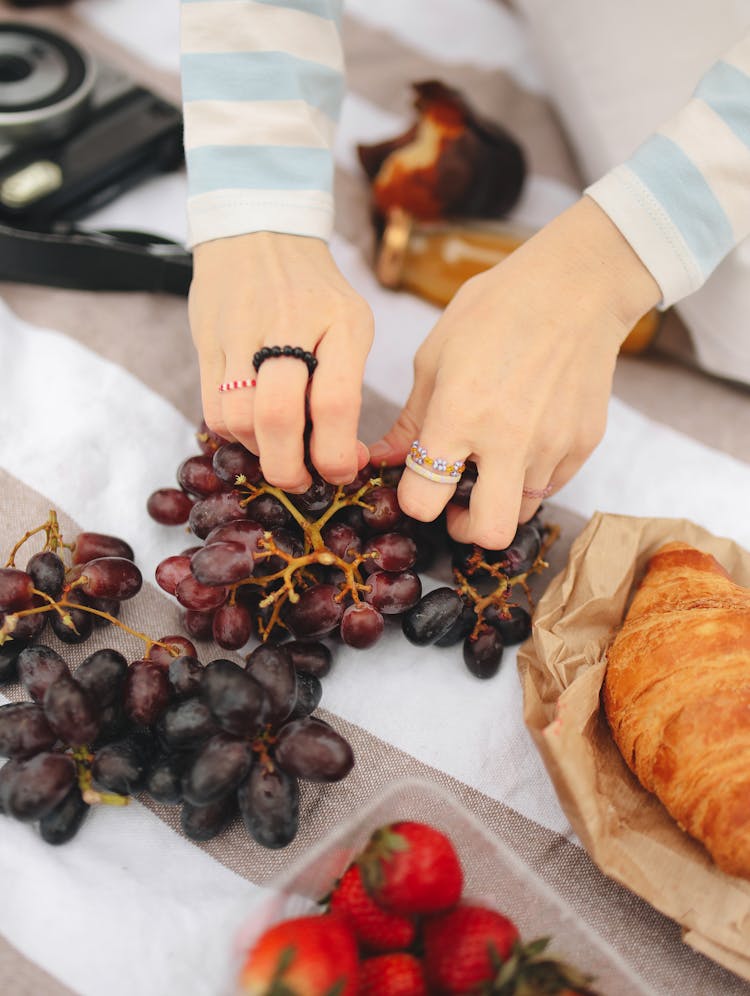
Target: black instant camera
{"x":74,"y":132}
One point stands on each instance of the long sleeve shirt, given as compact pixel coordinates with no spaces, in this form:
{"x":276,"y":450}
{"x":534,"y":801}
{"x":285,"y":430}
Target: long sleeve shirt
{"x":262,"y":87}
{"x":262,"y":84}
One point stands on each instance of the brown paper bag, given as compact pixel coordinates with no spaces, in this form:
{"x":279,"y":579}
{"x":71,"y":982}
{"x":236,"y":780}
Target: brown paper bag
{"x":624,"y":828}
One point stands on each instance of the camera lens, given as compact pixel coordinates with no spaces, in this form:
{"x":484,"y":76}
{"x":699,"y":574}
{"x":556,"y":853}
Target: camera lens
{"x":13,"y":68}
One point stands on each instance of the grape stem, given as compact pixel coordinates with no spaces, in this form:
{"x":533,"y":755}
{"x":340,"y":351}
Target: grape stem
{"x":54,"y":539}
{"x":11,"y":620}
{"x":500,"y":597}
{"x":91,"y":796}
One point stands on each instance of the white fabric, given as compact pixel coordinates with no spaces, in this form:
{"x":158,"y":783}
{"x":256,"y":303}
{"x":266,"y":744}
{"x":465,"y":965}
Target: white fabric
{"x":616,"y":71}
{"x":275,"y":122}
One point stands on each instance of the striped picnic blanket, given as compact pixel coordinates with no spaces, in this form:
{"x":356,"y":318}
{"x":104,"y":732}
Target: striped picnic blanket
{"x":98,"y":406}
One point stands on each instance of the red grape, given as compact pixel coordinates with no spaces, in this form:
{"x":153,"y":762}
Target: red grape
{"x":169,"y":506}
{"x":317,"y":613}
{"x":194,"y":595}
{"x":162,"y":656}
{"x":171,"y":571}
{"x":24,"y":730}
{"x":71,"y":712}
{"x":146,"y":693}
{"x":342,"y":541}
{"x":196,"y":476}
{"x":222,"y":563}
{"x":199,"y":624}
{"x":311,"y":749}
{"x":232,"y":460}
{"x":393,"y":593}
{"x":383,"y":511}
{"x":90,"y":546}
{"x":16,"y":589}
{"x":48,"y":573}
{"x":38,"y":785}
{"x":232,"y":626}
{"x":216,"y":510}
{"x":393,"y":552}
{"x":208,"y":440}
{"x":38,"y":667}
{"x":361,"y":625}
{"x":245,"y":531}
{"x":111,"y":577}
{"x":185,"y":675}
{"x":310,"y":656}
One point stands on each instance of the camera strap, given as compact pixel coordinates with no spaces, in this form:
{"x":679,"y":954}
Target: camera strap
{"x":95,"y":260}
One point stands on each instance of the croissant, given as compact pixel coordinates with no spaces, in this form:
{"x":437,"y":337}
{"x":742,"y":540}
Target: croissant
{"x":677,"y":698}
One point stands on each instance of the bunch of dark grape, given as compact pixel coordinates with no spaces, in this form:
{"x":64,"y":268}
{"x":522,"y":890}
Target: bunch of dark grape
{"x":334,"y":561}
{"x":74,"y":586}
{"x":216,"y":740}
{"x":272,"y":565}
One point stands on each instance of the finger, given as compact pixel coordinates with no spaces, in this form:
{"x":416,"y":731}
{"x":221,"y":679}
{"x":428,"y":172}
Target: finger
{"x":211,"y":363}
{"x":491,"y":519}
{"x":567,"y":468}
{"x":335,"y":402}
{"x":422,"y":498}
{"x":238,"y":405}
{"x":363,"y":455}
{"x":279,"y":417}
{"x":538,"y":481}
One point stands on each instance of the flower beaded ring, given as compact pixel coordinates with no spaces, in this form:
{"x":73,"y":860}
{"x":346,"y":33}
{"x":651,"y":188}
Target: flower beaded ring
{"x":434,"y":469}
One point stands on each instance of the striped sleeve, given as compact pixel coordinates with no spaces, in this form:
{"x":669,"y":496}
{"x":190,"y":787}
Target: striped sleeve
{"x":683,"y":200}
{"x":262,"y":84}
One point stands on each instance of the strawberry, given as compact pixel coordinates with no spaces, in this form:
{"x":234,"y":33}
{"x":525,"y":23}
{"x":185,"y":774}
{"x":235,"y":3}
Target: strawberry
{"x":467,"y":947}
{"x":398,"y":974}
{"x":411,"y":868}
{"x":307,"y":956}
{"x":376,"y":929}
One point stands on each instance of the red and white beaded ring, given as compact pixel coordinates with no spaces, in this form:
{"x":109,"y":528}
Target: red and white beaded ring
{"x":234,"y":385}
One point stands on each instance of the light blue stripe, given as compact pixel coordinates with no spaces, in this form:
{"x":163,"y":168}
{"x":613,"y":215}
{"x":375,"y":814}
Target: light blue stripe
{"x":683,"y":192}
{"x":331,"y":10}
{"x":258,"y":167}
{"x":261,"y":76}
{"x":726,"y":90}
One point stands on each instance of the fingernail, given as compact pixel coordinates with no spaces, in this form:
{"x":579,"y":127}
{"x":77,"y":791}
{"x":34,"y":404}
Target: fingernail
{"x":379,"y":451}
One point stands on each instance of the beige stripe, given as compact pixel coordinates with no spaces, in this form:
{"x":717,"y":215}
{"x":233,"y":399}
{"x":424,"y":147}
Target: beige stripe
{"x":382,"y":68}
{"x":21,"y":977}
{"x":627,"y":923}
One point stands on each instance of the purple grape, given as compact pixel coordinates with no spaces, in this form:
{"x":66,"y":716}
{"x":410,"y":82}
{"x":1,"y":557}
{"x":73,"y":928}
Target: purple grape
{"x":71,"y":712}
{"x":219,"y":767}
{"x":208,"y":440}
{"x":311,"y":749}
{"x":205,"y":822}
{"x":244,"y":531}
{"x":202,"y":597}
{"x":317,"y":613}
{"x":524,"y":548}
{"x":318,"y":497}
{"x":364,"y":476}
{"x":146,"y":692}
{"x":309,"y":694}
{"x":187,"y":723}
{"x":160,"y":654}
{"x":221,"y":563}
{"x":232,"y":460}
{"x":196,"y":476}
{"x":465,"y":485}
{"x":483,"y":653}
{"x":342,"y":541}
{"x":120,"y":767}
{"x":27,"y":629}
{"x":392,"y":594}
{"x":109,"y":605}
{"x":269,"y":806}
{"x":16,"y":589}
{"x":9,"y":661}
{"x":216,"y":510}
{"x":513,"y":629}
{"x":310,"y":656}
{"x":460,"y":629}
{"x":383,"y":511}
{"x":111,"y":577}
{"x":232,"y":626}
{"x":83,"y":622}
{"x":47,"y":572}
{"x":91,"y":546}
{"x":102,"y":674}
{"x":64,"y":820}
{"x":38,"y":667}
{"x":432,"y":616}
{"x":287,"y":542}
{"x":269,"y":512}
{"x":164,"y":780}
{"x":238,"y":702}
{"x":361,"y":625}
{"x":38,"y":785}
{"x":185,"y":676}
{"x":272,"y":668}
{"x":24,"y":730}
{"x":392,"y":552}
{"x":171,"y":571}
{"x":200,"y":625}
{"x":169,"y":506}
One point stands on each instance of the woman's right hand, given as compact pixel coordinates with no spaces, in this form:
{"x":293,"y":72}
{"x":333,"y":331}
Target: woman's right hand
{"x":269,"y":289}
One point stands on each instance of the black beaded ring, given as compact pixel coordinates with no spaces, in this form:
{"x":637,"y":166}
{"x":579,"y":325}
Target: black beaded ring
{"x":296,"y":352}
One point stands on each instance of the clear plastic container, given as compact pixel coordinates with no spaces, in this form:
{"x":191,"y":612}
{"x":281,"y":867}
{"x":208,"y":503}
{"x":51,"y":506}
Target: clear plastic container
{"x":493,"y":875}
